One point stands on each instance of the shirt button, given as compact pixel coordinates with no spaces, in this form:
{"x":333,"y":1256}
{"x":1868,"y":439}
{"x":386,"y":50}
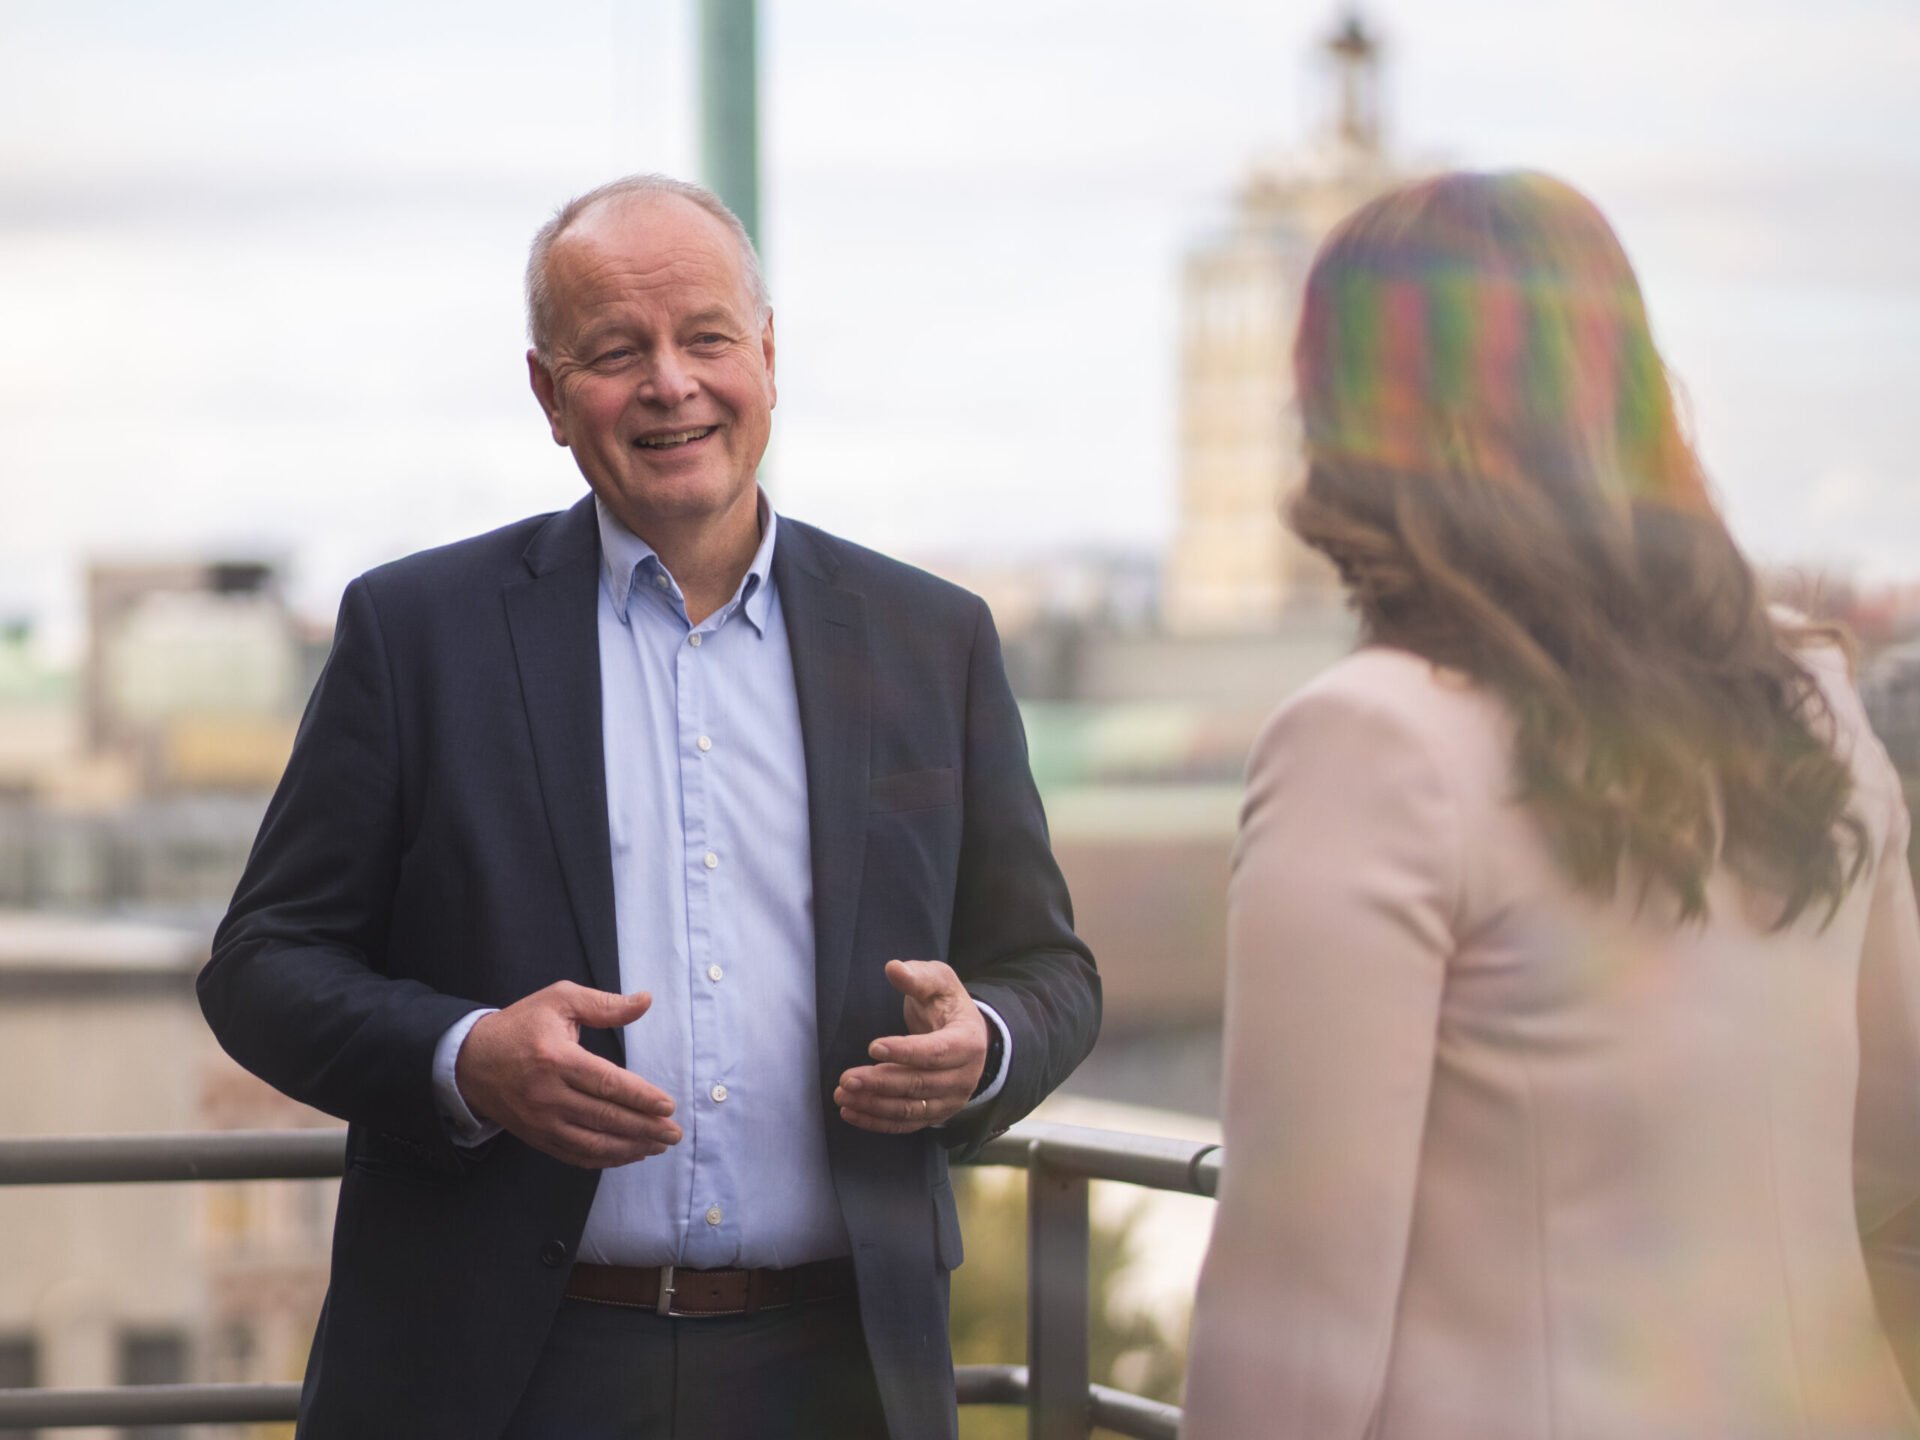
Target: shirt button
{"x":712,"y":862}
{"x":714,"y":972}
{"x":714,"y":1217}
{"x":719,"y":1093}
{"x":661,"y":581}
{"x":694,"y":639}
{"x":704,"y":743}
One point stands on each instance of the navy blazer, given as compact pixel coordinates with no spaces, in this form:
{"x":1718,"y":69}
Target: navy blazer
{"x":439,"y":841}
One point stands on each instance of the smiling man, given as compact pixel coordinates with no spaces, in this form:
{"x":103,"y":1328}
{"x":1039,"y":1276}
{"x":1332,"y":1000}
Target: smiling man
{"x":660,"y":892}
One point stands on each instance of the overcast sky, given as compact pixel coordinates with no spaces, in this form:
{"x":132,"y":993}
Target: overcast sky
{"x":259,"y":264}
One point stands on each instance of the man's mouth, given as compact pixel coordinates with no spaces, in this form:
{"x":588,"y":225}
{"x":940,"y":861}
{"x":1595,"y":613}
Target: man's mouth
{"x":673,"y":438}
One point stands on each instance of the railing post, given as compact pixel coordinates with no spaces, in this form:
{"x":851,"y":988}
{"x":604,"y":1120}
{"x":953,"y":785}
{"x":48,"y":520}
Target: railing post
{"x":1057,"y":1301}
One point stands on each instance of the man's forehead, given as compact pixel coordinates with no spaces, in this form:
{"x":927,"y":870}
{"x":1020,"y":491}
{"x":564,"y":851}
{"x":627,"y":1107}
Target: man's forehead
{"x":642,"y":226}
{"x":660,"y":238}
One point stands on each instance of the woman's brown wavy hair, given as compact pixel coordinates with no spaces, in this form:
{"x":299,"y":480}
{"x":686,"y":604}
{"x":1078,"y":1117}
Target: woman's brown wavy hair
{"x":1497,"y":468}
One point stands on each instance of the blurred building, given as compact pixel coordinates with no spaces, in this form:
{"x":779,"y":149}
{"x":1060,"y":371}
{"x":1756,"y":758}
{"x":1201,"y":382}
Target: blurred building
{"x":1890,"y":686}
{"x":39,"y":721}
{"x":1234,"y":566}
{"x":1141,"y":775}
{"x":1139,"y":731}
{"x":1117,"y":591}
{"x":175,"y":857}
{"x":1244,"y":673}
{"x":195,"y":672}
{"x":100,"y":1033}
{"x":137,"y":786}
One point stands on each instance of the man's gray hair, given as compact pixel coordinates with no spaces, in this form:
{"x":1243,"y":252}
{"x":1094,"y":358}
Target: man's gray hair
{"x":540,"y":284}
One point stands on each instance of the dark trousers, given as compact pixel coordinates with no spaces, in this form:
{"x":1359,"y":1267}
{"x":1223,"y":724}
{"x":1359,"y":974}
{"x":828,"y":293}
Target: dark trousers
{"x":613,"y":1373}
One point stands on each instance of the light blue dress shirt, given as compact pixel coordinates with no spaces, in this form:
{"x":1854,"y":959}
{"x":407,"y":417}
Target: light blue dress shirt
{"x":713,"y":909}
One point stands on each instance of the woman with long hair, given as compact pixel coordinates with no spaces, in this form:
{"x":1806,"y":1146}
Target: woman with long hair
{"x":1573,"y":1017}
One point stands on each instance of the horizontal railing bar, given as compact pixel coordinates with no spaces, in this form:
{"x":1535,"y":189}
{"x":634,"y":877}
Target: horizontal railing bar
{"x":990,"y":1384}
{"x":147,"y":1405}
{"x":210,"y":1155}
{"x":1205,"y":1172}
{"x":254,"y":1404}
{"x":1150,"y":1161}
{"x":1135,"y":1415}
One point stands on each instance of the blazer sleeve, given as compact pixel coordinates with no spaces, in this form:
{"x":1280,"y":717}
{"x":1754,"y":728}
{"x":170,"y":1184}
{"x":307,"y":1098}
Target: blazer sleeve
{"x":1887,"y":1116}
{"x":295,"y":988}
{"x":1341,"y":914}
{"x":1012,"y":942}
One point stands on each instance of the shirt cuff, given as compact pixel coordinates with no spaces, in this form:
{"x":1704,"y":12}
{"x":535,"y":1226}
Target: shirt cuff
{"x":999,"y":1080}
{"x":462,"y":1124}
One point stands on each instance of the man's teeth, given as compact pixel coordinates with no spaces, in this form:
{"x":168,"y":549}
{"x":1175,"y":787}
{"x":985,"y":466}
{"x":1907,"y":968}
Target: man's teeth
{"x":679,"y":437}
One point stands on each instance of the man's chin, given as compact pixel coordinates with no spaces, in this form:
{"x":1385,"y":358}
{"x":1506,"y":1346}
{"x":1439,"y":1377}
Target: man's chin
{"x":676,"y":500}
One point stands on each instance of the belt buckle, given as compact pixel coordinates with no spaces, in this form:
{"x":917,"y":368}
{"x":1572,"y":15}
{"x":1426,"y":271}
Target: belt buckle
{"x":664,"y":1305}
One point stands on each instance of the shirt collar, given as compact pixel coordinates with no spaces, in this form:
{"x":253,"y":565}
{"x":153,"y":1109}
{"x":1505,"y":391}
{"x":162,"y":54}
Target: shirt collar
{"x":624,"y":557}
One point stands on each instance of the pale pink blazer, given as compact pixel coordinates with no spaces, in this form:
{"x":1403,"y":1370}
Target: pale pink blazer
{"x":1503,"y":1163}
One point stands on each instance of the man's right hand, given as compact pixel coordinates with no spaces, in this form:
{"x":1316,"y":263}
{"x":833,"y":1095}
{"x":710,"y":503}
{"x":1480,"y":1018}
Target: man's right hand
{"x":524,"y":1069}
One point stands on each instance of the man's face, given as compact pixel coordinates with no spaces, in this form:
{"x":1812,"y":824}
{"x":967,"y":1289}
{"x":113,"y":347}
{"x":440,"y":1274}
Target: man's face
{"x":660,"y":371}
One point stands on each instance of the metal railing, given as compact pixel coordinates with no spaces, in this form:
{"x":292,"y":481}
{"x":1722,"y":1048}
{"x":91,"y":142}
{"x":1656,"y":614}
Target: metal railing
{"x":1054,"y":1385}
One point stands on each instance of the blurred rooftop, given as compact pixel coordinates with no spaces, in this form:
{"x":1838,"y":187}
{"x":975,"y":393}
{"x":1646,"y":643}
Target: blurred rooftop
{"x":38,"y":940}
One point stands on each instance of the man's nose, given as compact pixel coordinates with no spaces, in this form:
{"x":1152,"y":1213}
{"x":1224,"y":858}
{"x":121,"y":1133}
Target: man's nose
{"x":669,"y":381}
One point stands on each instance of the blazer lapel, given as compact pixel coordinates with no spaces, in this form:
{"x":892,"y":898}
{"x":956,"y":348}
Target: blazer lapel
{"x":554,"y":620}
{"x":827,"y":633}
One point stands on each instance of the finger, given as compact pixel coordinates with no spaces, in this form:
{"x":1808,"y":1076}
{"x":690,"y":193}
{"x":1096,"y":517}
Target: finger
{"x":601,"y":1009}
{"x":881,"y":1126}
{"x":589,"y":1149}
{"x":893,"y":1110}
{"x":954,"y":1045}
{"x":603,"y":1080}
{"x":602,"y":1117}
{"x":922,"y":980}
{"x":897,"y":1082}
{"x":902,"y":1112}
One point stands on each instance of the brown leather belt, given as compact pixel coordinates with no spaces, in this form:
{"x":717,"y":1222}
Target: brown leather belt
{"x":671,"y":1290}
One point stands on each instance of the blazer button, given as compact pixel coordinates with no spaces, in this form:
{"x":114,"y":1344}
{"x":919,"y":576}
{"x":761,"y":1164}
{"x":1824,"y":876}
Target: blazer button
{"x":552,"y":1253}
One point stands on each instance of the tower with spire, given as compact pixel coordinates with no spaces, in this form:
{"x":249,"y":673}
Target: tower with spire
{"x":1234,"y":567}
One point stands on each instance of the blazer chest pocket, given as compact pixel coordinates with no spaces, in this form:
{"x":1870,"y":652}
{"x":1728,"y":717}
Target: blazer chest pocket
{"x":913,"y":790}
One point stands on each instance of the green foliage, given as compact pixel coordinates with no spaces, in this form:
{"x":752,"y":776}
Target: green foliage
{"x":1129,"y":1349}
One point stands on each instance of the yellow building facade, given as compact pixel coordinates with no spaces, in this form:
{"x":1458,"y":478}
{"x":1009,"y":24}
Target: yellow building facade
{"x":1234,"y":566}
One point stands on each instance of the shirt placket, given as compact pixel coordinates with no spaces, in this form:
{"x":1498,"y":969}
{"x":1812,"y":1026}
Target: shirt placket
{"x":712,"y":1225}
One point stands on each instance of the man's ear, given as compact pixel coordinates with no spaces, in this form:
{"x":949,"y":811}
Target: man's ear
{"x":545,"y":392}
{"x":766,"y":355}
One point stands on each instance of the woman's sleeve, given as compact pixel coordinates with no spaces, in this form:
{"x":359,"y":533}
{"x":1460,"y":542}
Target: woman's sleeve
{"x":1887,"y":1120}
{"x":1341,"y":918}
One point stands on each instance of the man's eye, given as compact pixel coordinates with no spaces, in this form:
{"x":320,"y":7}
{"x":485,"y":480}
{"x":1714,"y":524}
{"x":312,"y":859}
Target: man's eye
{"x":612,"y":357}
{"x":710,"y":339}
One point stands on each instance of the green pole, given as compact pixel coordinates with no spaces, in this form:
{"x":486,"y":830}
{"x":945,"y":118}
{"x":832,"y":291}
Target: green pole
{"x":730,"y":107}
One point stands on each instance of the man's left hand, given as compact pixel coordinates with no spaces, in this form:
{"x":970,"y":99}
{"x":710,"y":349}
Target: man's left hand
{"x":927,"y":1075}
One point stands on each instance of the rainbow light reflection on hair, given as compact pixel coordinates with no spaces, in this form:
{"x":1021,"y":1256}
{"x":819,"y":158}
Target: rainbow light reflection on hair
{"x":1488,"y":325}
